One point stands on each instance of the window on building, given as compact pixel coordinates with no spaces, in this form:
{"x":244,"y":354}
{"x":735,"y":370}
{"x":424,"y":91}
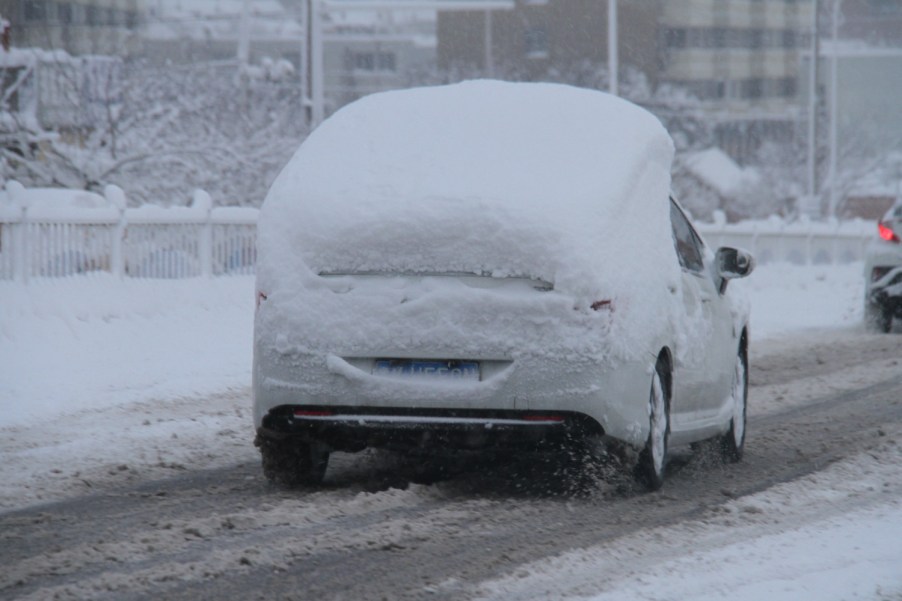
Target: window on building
{"x":92,"y":15}
{"x":64,"y":13}
{"x":675,"y":38}
{"x":787,"y":87}
{"x":752,"y":88}
{"x":35,"y":10}
{"x":718,"y":37}
{"x":373,"y":61}
{"x":385,"y":61}
{"x":886,"y":7}
{"x":537,"y":43}
{"x":756,"y":38}
{"x":790,"y":39}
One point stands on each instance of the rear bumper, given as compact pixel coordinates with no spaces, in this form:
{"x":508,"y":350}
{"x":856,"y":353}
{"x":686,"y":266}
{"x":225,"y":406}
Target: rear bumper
{"x":355,"y":428}
{"x":612,"y":397}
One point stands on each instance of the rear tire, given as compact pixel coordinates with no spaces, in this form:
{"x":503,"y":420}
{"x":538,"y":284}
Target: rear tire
{"x":653,"y":458}
{"x":291,"y":462}
{"x":732,"y":443}
{"x":878,"y":318}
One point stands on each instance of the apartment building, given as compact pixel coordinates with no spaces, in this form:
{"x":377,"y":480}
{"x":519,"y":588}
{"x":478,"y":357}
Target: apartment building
{"x":77,"y":26}
{"x":739,"y":58}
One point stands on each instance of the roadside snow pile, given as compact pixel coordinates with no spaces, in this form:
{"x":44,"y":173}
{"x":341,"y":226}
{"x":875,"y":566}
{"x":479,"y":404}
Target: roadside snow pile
{"x":832,"y":536}
{"x":787,"y":297}
{"x":90,"y":342}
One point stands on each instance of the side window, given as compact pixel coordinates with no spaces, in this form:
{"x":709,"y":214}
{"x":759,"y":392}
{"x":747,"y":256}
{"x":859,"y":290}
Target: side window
{"x":688,"y":245}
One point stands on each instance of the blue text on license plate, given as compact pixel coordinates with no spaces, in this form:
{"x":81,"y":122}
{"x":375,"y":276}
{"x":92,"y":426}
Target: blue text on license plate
{"x":427,"y":368}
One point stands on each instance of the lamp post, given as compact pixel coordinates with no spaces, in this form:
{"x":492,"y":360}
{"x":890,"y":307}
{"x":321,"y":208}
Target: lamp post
{"x":612,"y":47}
{"x":812,"y":109}
{"x":834,"y":112}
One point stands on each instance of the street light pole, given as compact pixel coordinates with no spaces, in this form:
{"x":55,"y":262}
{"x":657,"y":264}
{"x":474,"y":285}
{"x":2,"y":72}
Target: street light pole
{"x":303,"y":66}
{"x":812,"y":108}
{"x":612,"y":47}
{"x":834,"y":72}
{"x":487,"y":40}
{"x":317,"y":96}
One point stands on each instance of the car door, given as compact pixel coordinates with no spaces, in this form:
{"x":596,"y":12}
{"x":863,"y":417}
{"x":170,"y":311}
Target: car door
{"x":699,"y":357}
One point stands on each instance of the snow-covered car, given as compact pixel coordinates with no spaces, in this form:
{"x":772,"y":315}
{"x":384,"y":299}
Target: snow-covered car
{"x":883,"y":273}
{"x":490,"y":264}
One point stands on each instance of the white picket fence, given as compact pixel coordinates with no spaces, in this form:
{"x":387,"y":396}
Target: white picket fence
{"x":203,"y":241}
{"x":146,"y":242}
{"x":801,"y":242}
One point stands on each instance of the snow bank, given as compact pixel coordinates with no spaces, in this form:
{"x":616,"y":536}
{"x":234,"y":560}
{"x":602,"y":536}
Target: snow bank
{"x":834,"y":535}
{"x":787,"y":298}
{"x":88,"y":342}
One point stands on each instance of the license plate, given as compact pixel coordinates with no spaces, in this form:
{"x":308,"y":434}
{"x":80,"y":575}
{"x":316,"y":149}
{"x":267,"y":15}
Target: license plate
{"x":427,"y":368}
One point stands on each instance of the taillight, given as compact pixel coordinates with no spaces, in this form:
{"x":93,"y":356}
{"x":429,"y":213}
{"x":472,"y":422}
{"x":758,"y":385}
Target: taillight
{"x":602,"y":304}
{"x":313,"y":413}
{"x":887,"y":233}
{"x":539,"y":417}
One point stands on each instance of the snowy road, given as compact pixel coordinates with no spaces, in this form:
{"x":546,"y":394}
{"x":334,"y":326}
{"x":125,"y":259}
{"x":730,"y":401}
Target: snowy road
{"x":825,"y":441}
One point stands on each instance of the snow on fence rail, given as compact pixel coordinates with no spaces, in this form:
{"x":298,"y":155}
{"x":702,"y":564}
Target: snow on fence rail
{"x":800,"y":242}
{"x":41,"y":239}
{"x":47,"y":234}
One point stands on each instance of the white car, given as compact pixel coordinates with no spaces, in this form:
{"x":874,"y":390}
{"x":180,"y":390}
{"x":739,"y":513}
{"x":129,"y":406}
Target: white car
{"x":883,"y":273}
{"x":490,"y":264}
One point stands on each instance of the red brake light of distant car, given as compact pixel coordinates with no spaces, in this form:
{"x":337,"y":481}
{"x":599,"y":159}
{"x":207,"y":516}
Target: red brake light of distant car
{"x":260,"y":298}
{"x":887,"y":233}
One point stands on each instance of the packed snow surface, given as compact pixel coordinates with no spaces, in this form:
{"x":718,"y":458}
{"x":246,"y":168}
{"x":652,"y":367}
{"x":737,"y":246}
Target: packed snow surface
{"x":99,"y":372}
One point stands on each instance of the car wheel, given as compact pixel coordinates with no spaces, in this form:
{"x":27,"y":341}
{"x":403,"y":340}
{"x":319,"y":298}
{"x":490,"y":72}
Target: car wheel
{"x":733,"y":442}
{"x":878,"y":318}
{"x":653,"y":458}
{"x":290,"y":462}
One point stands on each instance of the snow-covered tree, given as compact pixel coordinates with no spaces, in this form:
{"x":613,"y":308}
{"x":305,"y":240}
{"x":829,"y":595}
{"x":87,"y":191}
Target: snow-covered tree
{"x":166,"y":130}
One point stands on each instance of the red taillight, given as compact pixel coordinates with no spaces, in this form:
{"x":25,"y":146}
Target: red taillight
{"x":260,"y":298}
{"x":887,"y":233}
{"x":312,"y":413}
{"x":542,"y":418}
{"x":602,"y":304}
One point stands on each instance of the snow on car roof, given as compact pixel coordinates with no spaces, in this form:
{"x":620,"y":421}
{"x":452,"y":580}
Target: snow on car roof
{"x":486,"y":176}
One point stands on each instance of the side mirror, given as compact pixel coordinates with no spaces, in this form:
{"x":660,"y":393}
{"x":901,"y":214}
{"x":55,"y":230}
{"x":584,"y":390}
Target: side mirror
{"x":732,"y":263}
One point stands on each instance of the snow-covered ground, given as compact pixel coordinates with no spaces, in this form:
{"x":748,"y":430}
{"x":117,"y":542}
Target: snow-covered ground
{"x":106,"y":380}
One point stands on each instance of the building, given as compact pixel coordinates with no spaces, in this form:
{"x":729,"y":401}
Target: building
{"x":738,"y":58}
{"x":367,"y":51}
{"x":78,"y":27}
{"x":535,"y":36}
{"x":364,"y":51}
{"x":877,"y":22}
